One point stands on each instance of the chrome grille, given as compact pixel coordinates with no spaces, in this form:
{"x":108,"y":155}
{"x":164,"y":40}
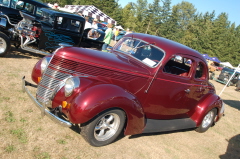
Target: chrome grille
{"x":59,"y":69}
{"x":50,"y":80}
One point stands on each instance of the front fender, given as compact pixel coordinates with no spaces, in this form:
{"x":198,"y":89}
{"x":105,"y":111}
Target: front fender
{"x":98,"y":98}
{"x":208,"y":103}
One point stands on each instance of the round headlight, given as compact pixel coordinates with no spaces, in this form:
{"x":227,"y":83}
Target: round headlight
{"x":44,"y":63}
{"x":70,"y":85}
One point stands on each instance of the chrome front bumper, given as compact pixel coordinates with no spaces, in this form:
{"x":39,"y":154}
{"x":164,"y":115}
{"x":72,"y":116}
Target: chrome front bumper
{"x":43,"y":107}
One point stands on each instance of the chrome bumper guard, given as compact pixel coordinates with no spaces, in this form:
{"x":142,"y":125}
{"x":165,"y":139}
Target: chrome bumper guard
{"x":43,"y":108}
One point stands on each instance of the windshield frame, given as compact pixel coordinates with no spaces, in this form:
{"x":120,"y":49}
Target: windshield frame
{"x":140,"y":44}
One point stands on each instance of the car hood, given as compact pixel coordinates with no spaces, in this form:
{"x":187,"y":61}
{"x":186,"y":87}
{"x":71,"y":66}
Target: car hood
{"x":118,"y":62}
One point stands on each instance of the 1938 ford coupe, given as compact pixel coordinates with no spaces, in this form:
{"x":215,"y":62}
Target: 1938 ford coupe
{"x":144,"y":84}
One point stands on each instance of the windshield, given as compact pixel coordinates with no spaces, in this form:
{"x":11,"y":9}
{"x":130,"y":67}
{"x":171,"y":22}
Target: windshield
{"x":4,"y":3}
{"x":145,"y":52}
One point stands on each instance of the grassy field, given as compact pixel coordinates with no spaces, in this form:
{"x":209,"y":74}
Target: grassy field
{"x":24,"y":134}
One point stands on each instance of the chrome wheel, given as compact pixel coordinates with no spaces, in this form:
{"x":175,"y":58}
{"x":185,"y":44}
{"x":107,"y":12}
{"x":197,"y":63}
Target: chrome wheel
{"x":106,"y":127}
{"x":3,"y":45}
{"x":208,"y":119}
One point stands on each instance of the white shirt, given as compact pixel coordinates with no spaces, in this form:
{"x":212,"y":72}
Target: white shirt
{"x":87,"y":25}
{"x":94,"y":26}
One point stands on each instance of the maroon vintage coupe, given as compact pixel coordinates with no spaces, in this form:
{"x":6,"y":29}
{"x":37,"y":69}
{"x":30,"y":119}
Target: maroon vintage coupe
{"x":144,"y":84}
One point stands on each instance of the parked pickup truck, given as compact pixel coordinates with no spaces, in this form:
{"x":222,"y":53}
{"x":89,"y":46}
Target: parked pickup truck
{"x":145,"y":84}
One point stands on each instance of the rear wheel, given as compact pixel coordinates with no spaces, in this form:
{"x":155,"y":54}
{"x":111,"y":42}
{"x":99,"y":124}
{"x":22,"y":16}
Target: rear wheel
{"x":4,"y":44}
{"x":207,"y":121}
{"x":105,"y":128}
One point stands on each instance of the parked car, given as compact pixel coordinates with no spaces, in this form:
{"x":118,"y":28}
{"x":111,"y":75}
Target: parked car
{"x":145,"y":84}
{"x":11,"y":8}
{"x":226,"y":74}
{"x":219,"y":68}
{"x":45,"y":34}
{"x":211,"y":66}
{"x":120,"y":35}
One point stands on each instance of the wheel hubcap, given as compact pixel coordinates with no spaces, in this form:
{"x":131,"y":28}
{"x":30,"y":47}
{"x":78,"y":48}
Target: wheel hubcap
{"x":207,"y":119}
{"x":3,"y":45}
{"x":106,"y":127}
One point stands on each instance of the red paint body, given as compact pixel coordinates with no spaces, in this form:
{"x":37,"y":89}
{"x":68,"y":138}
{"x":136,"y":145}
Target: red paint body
{"x":117,"y":80}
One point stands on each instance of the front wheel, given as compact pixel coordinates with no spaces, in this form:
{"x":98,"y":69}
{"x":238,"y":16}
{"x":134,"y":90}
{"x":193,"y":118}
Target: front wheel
{"x":207,"y":121}
{"x":4,"y":44}
{"x":104,"y":128}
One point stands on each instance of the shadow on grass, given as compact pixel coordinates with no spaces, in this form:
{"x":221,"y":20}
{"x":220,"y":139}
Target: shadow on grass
{"x":233,"y":149}
{"x":159,"y":133}
{"x":233,"y":103}
{"x":19,"y":53}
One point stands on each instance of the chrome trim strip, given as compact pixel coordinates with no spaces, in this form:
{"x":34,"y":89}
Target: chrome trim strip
{"x":44,"y":110}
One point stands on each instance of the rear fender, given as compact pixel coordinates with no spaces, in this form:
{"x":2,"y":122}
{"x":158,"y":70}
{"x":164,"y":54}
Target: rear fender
{"x":210,"y":102}
{"x":97,"y":98}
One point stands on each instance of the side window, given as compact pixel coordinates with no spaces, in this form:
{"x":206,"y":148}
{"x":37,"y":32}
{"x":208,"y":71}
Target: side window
{"x":178,"y":65}
{"x":4,"y":3}
{"x":29,"y":8}
{"x":200,"y":71}
{"x":64,"y":23}
{"x":47,"y":18}
{"x":20,"y":5}
{"x":38,"y":12}
{"x":14,"y":3}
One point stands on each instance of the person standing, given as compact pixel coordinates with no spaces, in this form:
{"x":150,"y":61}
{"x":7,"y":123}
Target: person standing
{"x":107,"y":37}
{"x":116,"y":34}
{"x":94,"y":24}
{"x":87,"y":24}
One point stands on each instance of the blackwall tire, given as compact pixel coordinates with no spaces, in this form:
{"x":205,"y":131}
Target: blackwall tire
{"x":4,"y":44}
{"x":207,"y":121}
{"x":104,"y":128}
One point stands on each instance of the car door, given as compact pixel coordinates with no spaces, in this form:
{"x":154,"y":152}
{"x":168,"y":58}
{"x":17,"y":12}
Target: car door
{"x":56,"y":30}
{"x":171,"y":89}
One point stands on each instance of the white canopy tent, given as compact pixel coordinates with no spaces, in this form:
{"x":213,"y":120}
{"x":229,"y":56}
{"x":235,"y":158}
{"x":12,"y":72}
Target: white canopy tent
{"x":226,"y":64}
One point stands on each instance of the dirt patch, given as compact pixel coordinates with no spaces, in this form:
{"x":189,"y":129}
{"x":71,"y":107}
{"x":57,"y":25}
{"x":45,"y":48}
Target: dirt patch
{"x":24,"y":134}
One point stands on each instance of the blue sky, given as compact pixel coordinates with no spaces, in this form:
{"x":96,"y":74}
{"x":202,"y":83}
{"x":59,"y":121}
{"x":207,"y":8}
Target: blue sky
{"x":231,"y":7}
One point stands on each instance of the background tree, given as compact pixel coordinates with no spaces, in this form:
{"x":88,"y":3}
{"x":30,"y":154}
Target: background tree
{"x":203,"y":32}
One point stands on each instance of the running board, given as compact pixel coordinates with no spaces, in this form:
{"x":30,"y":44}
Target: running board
{"x":153,"y":125}
{"x":35,"y":51}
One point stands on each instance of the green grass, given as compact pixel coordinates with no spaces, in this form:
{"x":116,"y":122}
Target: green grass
{"x":61,"y":141}
{"x":20,"y":134}
{"x":10,"y":148}
{"x":43,"y":155}
{"x":23,"y":120}
{"x":2,"y":99}
{"x":9,"y":117}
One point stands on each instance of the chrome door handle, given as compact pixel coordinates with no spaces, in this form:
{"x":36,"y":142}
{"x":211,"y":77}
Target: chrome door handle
{"x":187,"y":91}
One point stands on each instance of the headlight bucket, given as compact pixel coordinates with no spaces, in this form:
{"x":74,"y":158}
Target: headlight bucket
{"x":45,"y":63}
{"x":70,"y":84}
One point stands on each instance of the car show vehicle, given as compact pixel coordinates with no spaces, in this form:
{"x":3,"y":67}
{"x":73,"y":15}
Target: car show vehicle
{"x":145,"y":84}
{"x":226,"y":74}
{"x":46,"y":31}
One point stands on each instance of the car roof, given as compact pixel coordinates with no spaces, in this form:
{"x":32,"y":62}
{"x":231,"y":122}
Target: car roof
{"x":55,"y":12}
{"x":37,"y":3}
{"x":169,"y":46}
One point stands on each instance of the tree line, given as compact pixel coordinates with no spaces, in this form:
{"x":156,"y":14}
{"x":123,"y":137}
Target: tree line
{"x":207,"y":32}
